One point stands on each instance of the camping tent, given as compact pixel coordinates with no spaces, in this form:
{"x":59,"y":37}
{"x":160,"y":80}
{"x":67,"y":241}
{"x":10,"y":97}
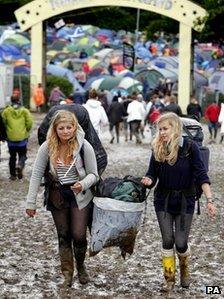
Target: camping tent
{"x":216,"y":81}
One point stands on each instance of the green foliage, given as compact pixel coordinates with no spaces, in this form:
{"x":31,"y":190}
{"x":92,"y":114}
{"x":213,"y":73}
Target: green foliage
{"x":22,"y":82}
{"x":163,"y":24}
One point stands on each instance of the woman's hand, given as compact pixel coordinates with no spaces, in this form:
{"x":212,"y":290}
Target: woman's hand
{"x":211,"y":209}
{"x":77,"y":188}
{"x":30,"y":213}
{"x":146,"y":181}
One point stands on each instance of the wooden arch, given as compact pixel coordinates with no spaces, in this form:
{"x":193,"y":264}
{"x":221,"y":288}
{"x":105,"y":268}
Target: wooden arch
{"x":188,"y":14}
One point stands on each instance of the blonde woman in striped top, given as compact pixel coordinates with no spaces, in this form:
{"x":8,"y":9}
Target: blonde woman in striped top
{"x":73,"y":174}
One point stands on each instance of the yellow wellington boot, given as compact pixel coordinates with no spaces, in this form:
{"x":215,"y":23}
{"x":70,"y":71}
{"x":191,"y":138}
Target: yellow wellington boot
{"x":169,"y":269}
{"x":184,"y":268}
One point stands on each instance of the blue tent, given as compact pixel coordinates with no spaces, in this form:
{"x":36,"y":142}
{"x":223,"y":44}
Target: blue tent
{"x":216,"y":81}
{"x":9,"y":50}
{"x":106,"y":32}
{"x":142,"y":53}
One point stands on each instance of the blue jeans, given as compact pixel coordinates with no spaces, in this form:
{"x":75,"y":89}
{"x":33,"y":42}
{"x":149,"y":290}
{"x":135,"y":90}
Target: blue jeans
{"x":213,"y":126}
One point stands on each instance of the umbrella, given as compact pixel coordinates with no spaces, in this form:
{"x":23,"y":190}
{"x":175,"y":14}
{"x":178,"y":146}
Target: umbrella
{"x":199,"y":80}
{"x":103,"y":53}
{"x":90,"y":29}
{"x":128,"y":83}
{"x":93,"y":62}
{"x":165,"y":62}
{"x":106,"y":83}
{"x":126,"y":73}
{"x":109,"y":82}
{"x":10,"y":50}
{"x":90,"y":80}
{"x":96,"y":84}
{"x":105,"y":32}
{"x":117,"y":90}
{"x":17,"y":39}
{"x":87,"y":40}
{"x":90,"y":50}
{"x":58,"y":44}
{"x":143,"y":53}
{"x":96,"y":71}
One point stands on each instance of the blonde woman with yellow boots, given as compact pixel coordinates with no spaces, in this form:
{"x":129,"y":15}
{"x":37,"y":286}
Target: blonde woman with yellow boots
{"x":175,"y":174}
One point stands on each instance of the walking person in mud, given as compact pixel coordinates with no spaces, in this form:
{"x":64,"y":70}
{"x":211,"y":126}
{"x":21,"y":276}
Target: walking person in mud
{"x":18,"y":122}
{"x":72,"y":170}
{"x":175,"y":170}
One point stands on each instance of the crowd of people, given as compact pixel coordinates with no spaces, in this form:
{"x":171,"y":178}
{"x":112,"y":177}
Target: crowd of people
{"x":70,"y":167}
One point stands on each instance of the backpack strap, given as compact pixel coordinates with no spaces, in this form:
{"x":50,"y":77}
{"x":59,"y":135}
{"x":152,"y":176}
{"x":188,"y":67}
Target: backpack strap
{"x":188,"y":132}
{"x":93,"y":188}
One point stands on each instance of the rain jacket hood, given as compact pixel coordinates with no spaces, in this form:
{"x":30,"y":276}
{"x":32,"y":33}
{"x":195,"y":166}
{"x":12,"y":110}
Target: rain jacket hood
{"x":93,"y":103}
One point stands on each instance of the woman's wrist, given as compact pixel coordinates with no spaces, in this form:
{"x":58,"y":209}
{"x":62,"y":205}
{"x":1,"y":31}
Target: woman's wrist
{"x":209,"y":200}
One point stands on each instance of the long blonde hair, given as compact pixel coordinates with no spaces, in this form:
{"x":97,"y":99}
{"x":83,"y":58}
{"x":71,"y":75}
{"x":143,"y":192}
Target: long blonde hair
{"x":168,"y":151}
{"x":53,"y":140}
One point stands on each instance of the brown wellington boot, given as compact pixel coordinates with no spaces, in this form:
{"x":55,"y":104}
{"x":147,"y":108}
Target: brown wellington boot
{"x":67,"y":265}
{"x":184,"y":268}
{"x":169,"y":269}
{"x":80,"y":254}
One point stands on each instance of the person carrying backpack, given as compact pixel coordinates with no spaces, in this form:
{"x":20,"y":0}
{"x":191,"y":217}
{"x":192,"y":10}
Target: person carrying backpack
{"x":18,"y":122}
{"x":70,"y":175}
{"x":154,"y":113}
{"x":175,"y":174}
{"x":84,"y":121}
{"x":212,"y":115}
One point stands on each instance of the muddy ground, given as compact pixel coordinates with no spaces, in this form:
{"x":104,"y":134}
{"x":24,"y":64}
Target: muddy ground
{"x":29,"y":263}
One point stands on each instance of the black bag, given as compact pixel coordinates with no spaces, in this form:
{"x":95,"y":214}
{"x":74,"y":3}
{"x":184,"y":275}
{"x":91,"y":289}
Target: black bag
{"x":84,"y":121}
{"x":192,"y":129}
{"x":136,"y":192}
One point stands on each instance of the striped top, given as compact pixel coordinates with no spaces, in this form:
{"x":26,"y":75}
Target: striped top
{"x":67,"y":174}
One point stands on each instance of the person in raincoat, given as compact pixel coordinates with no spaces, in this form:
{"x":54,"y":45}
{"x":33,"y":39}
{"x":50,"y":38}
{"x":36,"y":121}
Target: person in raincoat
{"x":97,"y":113}
{"x":18,"y":122}
{"x":175,"y":170}
{"x":72,"y":170}
{"x":38,"y":96}
{"x":56,"y":96}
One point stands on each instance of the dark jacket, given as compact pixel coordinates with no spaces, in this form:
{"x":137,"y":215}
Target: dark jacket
{"x":84,"y":121}
{"x":194,"y":109}
{"x":177,"y":177}
{"x":115,"y":113}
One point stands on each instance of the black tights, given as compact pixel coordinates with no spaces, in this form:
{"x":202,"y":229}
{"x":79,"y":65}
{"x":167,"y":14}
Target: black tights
{"x":71,"y":225}
{"x":177,"y":236}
